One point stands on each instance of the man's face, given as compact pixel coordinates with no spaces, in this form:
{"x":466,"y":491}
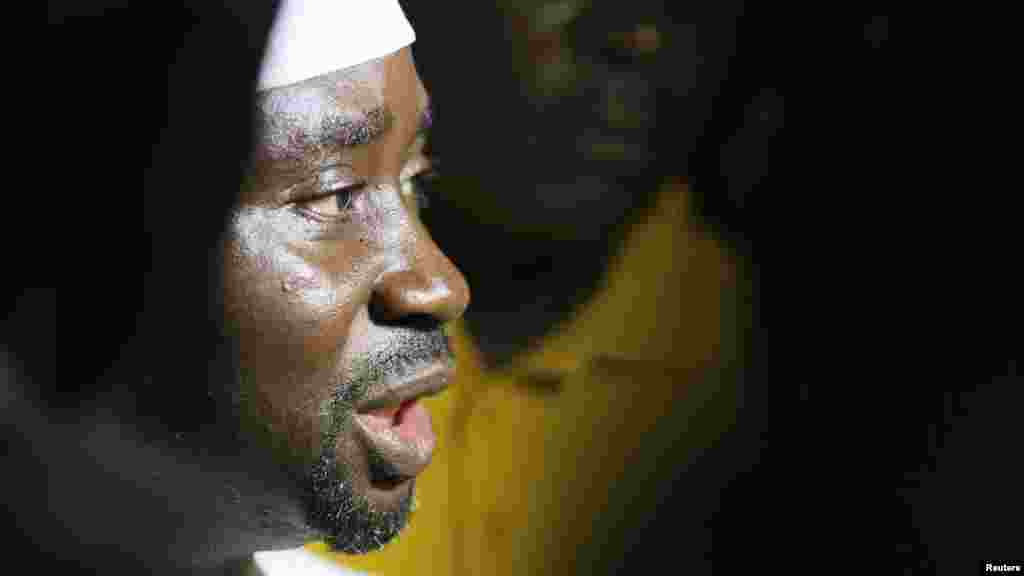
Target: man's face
{"x":338,"y":296}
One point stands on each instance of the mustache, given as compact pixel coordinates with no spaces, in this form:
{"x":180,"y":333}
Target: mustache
{"x":404,"y":353}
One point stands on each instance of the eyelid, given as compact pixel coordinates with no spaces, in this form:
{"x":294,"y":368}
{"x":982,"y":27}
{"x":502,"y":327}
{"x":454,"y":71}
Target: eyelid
{"x":324,"y":182}
{"x":336,"y":179}
{"x":308,"y":205}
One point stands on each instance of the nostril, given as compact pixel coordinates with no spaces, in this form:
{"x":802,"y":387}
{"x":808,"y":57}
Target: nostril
{"x":419,"y":322}
{"x":422,"y":322}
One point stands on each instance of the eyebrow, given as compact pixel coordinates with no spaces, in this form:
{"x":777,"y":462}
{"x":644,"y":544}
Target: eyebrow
{"x":285,"y":140}
{"x":348,"y":131}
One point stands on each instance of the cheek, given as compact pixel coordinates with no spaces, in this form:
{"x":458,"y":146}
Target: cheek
{"x":291,"y":312}
{"x":288,"y":290}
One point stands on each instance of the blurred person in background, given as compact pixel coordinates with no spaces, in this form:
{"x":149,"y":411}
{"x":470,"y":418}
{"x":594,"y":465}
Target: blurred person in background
{"x":622,"y":386}
{"x":604,"y":348}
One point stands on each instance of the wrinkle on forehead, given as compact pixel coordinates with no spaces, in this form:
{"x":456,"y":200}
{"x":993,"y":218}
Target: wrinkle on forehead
{"x":364,"y":81}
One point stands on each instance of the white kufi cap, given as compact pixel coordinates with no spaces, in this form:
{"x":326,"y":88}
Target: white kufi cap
{"x":310,"y":38}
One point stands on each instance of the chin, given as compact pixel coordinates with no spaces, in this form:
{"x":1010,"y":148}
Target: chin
{"x":357,"y":519}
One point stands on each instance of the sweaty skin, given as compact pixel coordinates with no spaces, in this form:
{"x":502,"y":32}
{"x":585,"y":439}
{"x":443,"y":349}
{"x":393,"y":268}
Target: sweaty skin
{"x":333,"y":286}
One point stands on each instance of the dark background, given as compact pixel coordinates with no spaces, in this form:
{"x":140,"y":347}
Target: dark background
{"x":879,"y":420}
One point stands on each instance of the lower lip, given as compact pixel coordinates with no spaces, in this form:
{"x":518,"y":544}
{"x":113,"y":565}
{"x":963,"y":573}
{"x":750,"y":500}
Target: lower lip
{"x":406,"y":442}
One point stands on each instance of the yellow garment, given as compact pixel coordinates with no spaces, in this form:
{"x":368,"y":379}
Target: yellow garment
{"x":522,"y":478}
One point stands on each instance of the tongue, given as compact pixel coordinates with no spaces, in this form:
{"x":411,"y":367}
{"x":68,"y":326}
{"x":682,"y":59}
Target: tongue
{"x":413,"y":422}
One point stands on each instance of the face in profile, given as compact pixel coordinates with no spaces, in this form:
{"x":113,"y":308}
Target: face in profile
{"x":338,"y":298}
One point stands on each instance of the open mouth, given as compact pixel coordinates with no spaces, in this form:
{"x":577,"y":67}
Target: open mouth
{"x":396,"y":429}
{"x":398,"y":444}
{"x":394,"y":415}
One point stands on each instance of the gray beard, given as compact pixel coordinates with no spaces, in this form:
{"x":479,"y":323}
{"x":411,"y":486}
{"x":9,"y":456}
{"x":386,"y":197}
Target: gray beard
{"x":349,"y":522}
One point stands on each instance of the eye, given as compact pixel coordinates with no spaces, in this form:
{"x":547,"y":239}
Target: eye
{"x":333,"y":204}
{"x":418,"y":188}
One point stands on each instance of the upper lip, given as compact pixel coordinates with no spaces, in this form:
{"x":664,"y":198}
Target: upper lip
{"x":428,"y":381}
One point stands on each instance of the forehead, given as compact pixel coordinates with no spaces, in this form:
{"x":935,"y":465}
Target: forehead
{"x":292,"y":118}
{"x":358,"y":87}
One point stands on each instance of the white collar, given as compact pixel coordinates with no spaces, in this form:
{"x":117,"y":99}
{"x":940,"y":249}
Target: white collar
{"x":297,"y":562}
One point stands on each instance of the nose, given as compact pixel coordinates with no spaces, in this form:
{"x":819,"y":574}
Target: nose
{"x":422,"y":286}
